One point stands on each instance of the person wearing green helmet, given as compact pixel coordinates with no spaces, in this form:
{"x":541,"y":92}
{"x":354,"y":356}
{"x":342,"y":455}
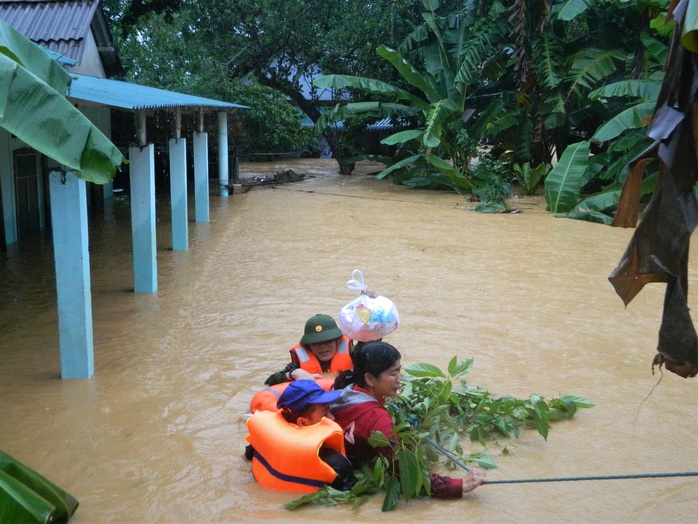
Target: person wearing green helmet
{"x":322,"y":351}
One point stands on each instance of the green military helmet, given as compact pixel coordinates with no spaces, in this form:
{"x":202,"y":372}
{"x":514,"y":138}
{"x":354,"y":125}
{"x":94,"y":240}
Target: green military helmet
{"x":320,"y":328}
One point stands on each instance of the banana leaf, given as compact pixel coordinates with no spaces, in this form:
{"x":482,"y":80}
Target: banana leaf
{"x":398,"y":165}
{"x":409,"y":73}
{"x":590,"y":66}
{"x":689,"y":30}
{"x":369,"y":85}
{"x":17,"y":48}
{"x":632,"y":118}
{"x":644,"y":89}
{"x":33,"y":107}
{"x":458,"y":181}
{"x":361,"y":110}
{"x":571,"y":9}
{"x":28,"y":497}
{"x":564,"y":182}
{"x":441,"y":112}
{"x":403,"y":136}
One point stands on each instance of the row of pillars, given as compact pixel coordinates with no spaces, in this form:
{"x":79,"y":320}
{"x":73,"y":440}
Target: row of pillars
{"x":70,"y":234}
{"x":142,"y":171}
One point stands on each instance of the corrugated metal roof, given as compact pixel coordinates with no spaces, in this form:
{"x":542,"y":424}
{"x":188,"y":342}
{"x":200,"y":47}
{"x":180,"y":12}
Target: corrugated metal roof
{"x":58,"y":25}
{"x":386,"y":124}
{"x":122,"y":95}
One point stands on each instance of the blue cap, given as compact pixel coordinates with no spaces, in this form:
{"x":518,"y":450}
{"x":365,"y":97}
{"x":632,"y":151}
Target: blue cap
{"x":300,"y":393}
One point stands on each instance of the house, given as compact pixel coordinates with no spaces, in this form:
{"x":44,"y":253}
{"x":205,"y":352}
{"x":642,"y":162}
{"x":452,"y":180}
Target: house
{"x":35,"y":188}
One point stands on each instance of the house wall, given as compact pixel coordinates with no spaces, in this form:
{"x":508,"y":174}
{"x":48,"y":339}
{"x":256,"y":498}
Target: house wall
{"x":90,"y":64}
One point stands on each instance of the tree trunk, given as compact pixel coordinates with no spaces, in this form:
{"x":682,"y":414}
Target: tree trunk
{"x":331,"y":134}
{"x":333,"y":138}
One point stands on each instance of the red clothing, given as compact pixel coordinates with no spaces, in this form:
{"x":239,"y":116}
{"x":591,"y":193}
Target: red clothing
{"x":359,"y":413}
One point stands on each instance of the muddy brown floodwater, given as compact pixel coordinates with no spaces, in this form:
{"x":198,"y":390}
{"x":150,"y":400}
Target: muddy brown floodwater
{"x":157,"y":434}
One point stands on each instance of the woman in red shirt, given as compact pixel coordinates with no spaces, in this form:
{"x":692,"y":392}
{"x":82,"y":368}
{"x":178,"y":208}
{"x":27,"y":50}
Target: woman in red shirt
{"x":361,"y":409}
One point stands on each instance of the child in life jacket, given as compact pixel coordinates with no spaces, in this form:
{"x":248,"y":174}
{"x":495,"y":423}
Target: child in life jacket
{"x":322,"y":350}
{"x":299,"y":448}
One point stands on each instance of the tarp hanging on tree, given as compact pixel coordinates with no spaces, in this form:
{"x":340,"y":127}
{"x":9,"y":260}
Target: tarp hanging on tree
{"x":658,"y":250}
{"x":26,"y":497}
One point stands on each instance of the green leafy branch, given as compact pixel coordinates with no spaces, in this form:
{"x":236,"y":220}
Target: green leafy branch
{"x":431,"y":415}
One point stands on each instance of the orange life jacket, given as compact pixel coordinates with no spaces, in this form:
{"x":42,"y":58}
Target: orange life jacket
{"x":267,"y":398}
{"x":309,"y":362}
{"x":286,"y":456}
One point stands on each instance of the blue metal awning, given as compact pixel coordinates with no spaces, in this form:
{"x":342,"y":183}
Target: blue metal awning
{"x":124,"y":95}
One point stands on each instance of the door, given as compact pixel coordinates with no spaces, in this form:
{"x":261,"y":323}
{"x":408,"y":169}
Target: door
{"x":26,"y":163}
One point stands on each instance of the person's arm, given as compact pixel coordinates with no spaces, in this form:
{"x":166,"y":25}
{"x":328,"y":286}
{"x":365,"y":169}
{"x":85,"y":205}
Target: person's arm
{"x":443,"y":487}
{"x":284,"y":375}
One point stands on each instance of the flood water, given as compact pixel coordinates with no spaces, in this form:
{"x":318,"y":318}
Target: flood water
{"x":157,"y":434}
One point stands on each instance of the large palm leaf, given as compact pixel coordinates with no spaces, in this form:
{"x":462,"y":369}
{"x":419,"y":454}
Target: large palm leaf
{"x":563,"y":183}
{"x":33,"y":107}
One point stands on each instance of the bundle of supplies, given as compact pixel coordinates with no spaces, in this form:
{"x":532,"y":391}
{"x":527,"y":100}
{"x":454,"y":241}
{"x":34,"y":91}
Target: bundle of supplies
{"x":368,"y":317}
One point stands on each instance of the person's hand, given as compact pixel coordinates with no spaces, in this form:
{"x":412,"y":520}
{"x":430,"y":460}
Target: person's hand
{"x":474,"y":478}
{"x":302,"y":374}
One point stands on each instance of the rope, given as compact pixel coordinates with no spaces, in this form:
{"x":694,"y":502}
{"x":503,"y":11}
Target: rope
{"x":567,"y":479}
{"x":602,"y":477}
{"x":448,"y":455}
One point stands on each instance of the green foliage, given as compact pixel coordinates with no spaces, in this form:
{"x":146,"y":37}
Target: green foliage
{"x":28,"y":497}
{"x":34,"y":108}
{"x":154,"y":57}
{"x":202,"y":47}
{"x":431,"y":414}
{"x":529,"y":177}
{"x":563,"y":183}
{"x":273,"y":125}
{"x":447,"y":63}
{"x":493,"y":189}
{"x":615,"y":74}
{"x":531,"y":79}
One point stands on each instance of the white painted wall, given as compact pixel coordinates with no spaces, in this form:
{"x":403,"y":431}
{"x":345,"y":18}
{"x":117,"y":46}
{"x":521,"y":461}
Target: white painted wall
{"x":90,"y":63}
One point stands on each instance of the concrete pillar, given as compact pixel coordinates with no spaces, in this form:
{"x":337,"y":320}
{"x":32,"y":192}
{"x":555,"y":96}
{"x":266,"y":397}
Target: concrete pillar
{"x":201,"y":204}
{"x":178,"y":194}
{"x":223,"y":177}
{"x":142,"y":176}
{"x":72,"y":259}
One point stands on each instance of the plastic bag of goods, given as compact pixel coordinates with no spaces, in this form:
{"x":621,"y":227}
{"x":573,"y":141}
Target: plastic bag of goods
{"x":368,"y":317}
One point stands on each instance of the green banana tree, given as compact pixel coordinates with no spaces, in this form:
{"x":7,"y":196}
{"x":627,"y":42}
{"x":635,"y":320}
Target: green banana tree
{"x":33,"y":107}
{"x":611,"y":90}
{"x":444,"y":128}
{"x":27,"y":497}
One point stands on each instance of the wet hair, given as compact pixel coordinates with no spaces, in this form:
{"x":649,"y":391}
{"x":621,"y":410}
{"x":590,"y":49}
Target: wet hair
{"x":373,"y":357}
{"x":292,"y":415}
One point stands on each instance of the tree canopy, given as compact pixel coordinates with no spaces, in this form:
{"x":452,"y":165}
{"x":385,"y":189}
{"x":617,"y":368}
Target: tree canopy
{"x":535,"y":83}
{"x":278,"y":44}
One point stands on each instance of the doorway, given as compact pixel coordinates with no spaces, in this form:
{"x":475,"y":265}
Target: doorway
{"x":29,"y":193}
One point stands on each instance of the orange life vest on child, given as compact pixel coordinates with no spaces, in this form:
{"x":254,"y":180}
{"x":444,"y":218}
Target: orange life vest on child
{"x":309,"y":362}
{"x":286,"y":456}
{"x":266,"y":399}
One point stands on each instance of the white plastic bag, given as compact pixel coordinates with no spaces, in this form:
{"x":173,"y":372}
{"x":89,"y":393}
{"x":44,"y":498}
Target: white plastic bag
{"x":367,"y":318}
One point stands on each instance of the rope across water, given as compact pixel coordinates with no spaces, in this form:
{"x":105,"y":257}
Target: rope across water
{"x":601,"y":477}
{"x":567,"y":479}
